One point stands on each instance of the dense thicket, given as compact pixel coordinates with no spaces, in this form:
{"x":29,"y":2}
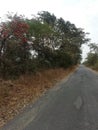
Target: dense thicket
{"x":27,"y":45}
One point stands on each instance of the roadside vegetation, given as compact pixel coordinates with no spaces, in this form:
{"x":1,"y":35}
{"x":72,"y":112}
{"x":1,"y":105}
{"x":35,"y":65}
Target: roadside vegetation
{"x":29,"y":45}
{"x":92,"y":57}
{"x":34,"y":54}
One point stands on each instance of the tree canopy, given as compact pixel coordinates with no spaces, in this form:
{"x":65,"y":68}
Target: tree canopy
{"x":92,"y":57}
{"x":27,"y":45}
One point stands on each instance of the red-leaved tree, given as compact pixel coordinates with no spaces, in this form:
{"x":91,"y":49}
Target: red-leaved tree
{"x":15,"y":28}
{"x":14,"y":47}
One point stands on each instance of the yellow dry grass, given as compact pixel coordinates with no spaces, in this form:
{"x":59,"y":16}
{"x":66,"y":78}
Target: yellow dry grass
{"x":16,"y":94}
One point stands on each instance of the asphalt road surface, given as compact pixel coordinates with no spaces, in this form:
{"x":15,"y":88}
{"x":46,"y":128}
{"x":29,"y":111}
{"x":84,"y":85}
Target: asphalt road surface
{"x":71,"y":105}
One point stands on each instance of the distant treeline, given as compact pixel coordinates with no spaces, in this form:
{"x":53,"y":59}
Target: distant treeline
{"x":92,"y":57}
{"x":29,"y":45}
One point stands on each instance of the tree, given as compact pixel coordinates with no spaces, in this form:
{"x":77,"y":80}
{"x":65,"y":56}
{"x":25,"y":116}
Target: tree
{"x":14,"y":29}
{"x":92,"y":57}
{"x":72,"y":38}
{"x":93,"y":47}
{"x":13,"y":42}
{"x":46,"y":17}
{"x":43,"y":41}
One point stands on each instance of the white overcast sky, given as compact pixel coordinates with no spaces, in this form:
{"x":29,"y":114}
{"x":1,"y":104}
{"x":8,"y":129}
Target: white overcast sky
{"x":83,"y":13}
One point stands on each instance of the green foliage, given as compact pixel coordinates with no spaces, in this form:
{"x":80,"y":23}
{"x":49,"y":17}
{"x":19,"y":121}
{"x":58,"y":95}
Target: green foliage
{"x":48,"y":18}
{"x":96,"y":65}
{"x":92,"y":57}
{"x":63,"y":58}
{"x":28,"y":45}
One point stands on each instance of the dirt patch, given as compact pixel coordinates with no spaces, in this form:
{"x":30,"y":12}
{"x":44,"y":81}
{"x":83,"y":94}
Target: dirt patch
{"x":17,"y":94}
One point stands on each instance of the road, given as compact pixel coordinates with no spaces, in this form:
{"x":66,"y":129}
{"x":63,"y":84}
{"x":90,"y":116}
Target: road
{"x":71,"y":105}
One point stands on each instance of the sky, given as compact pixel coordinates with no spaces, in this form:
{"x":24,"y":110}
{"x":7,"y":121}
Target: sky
{"x":83,"y":13}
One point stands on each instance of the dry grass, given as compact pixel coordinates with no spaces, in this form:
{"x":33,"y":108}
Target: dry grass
{"x":16,"y":94}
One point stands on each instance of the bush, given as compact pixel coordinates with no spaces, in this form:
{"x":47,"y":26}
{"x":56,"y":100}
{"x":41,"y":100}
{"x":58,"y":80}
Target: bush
{"x":96,"y":66}
{"x":60,"y":59}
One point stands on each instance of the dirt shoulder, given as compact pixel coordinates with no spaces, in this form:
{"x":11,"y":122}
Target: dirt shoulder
{"x":17,"y":94}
